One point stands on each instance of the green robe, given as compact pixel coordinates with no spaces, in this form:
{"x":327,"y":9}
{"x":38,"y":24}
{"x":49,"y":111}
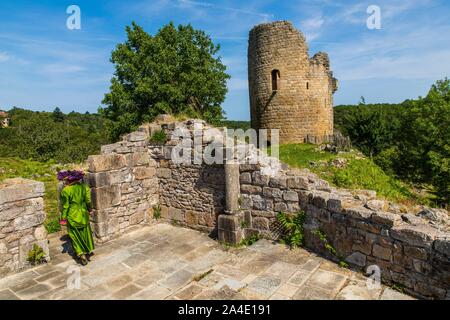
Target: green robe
{"x":75,"y":203}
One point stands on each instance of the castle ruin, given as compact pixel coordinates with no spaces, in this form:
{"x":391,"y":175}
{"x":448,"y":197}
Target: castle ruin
{"x":288,"y":90}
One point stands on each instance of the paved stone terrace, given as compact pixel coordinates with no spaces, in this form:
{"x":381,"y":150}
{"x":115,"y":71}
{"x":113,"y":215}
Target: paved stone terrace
{"x":167,"y":262}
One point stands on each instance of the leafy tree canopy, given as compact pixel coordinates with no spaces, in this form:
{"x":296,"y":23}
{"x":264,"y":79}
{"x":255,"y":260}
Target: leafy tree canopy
{"x":410,"y":140}
{"x":176,"y":71}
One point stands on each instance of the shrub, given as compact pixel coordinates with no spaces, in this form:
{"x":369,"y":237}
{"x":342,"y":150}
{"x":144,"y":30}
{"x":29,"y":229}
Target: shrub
{"x":293,"y":229}
{"x":36,"y":255}
{"x":158,"y":137}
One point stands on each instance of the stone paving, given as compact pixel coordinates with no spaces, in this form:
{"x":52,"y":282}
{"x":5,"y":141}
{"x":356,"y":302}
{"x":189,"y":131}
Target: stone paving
{"x":167,"y":262}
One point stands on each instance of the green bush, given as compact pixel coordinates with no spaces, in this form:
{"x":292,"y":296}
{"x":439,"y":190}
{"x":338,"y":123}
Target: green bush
{"x":293,"y":235}
{"x":36,"y":255}
{"x":158,"y":137}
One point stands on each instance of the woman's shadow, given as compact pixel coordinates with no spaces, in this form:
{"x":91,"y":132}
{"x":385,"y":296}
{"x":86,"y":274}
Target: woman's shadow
{"x":67,"y":246}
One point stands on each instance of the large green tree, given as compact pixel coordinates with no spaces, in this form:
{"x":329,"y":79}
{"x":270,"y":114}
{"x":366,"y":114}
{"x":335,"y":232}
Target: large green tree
{"x":424,"y":140}
{"x":176,"y":71}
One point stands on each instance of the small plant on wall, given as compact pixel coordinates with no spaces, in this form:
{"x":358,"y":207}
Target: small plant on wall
{"x":36,"y":255}
{"x":293,"y":235}
{"x":158,"y":137}
{"x":157,"y":212}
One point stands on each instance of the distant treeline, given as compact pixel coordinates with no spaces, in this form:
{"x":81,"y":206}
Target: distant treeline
{"x":410,"y":140}
{"x":44,"y":136}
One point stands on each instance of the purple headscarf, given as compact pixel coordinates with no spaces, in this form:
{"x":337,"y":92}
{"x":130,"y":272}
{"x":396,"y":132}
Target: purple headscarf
{"x":70,"y":175}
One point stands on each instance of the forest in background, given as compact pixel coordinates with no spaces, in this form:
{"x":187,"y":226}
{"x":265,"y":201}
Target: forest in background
{"x":52,"y":136}
{"x":409,"y":141}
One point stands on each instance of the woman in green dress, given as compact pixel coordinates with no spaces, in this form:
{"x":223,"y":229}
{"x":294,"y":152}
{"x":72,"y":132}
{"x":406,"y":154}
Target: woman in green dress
{"x":76,"y":209}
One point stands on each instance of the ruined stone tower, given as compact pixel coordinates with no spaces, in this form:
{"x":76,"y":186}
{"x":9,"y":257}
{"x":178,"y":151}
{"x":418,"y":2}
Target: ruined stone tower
{"x":288,"y":90}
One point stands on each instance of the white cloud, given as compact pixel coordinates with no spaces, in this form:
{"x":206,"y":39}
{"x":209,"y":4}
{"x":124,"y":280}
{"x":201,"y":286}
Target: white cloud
{"x":311,"y":27}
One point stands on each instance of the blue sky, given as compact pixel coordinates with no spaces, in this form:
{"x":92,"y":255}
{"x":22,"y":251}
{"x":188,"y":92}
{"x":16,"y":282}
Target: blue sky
{"x":43,"y":64}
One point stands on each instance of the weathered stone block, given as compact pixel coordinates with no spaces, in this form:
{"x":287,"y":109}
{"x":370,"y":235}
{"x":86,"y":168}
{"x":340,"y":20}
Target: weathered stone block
{"x":260,"y":179}
{"x":141,"y":173}
{"x":272,"y":192}
{"x":106,"y":197}
{"x":164,"y":212}
{"x":415,"y":252}
{"x":386,"y":218}
{"x":278,"y":182}
{"x":137,"y":218}
{"x":419,"y":236}
{"x":293,"y":207}
{"x":20,"y":189}
{"x":260,"y":223}
{"x":382,"y":252}
{"x":192,"y":218}
{"x":357,"y":258}
{"x":232,"y":237}
{"x":377,"y":205}
{"x":363,"y":247}
{"x":359,"y":213}
{"x":290,"y":196}
{"x":113,"y":225}
{"x":319,"y":213}
{"x":25,"y":222}
{"x":176,"y":214}
{"x":106,"y":162}
{"x":334,"y":205}
{"x":259,"y":203}
{"x":280,"y":207}
{"x":245,"y":178}
{"x":228,"y":222}
{"x":300,"y":183}
{"x":164,"y":173}
{"x":320,"y":199}
{"x":250,"y":189}
{"x":249,"y":167}
{"x":246,"y":202}
{"x":40,"y":233}
{"x":442,"y":246}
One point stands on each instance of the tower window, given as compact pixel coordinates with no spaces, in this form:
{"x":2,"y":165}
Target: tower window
{"x":275,"y":79}
{"x":307,"y":85}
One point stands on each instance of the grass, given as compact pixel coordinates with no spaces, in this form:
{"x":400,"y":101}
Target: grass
{"x":39,"y":171}
{"x":159,"y":137}
{"x":358,"y":172}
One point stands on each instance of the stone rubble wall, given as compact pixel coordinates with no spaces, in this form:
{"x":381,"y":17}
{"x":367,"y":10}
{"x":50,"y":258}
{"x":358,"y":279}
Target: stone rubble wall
{"x":237,"y":201}
{"x":124,"y":186}
{"x":21,"y":222}
{"x":192,"y":194}
{"x":410,"y":251}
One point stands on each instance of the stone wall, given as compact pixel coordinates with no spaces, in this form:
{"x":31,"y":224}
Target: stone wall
{"x":410,"y":251}
{"x":21,"y":222}
{"x":124,"y":186}
{"x":302,"y":105}
{"x":190,"y":194}
{"x":236,"y":201}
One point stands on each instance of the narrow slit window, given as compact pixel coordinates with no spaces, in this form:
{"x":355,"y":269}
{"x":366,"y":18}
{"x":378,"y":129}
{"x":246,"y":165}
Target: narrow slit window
{"x":307,"y":85}
{"x":275,"y":80}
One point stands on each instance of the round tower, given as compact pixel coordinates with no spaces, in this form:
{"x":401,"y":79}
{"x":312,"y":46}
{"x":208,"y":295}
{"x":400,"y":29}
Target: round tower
{"x":288,"y":90}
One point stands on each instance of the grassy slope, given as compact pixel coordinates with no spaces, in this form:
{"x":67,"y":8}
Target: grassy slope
{"x":358,"y":173}
{"x":40,"y":171}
